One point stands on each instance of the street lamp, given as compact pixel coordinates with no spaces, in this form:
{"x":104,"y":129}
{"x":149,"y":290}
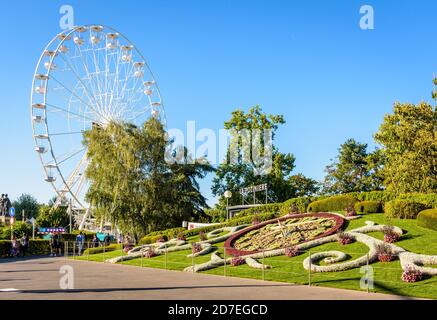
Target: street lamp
{"x":227,"y":195}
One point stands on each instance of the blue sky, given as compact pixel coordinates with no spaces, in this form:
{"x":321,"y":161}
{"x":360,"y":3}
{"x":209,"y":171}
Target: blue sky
{"x":307,"y":60}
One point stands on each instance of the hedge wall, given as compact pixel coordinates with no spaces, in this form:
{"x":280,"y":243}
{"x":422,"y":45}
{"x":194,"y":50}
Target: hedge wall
{"x":403,"y":209}
{"x":271,"y":207}
{"x":111,"y":247}
{"x":36,"y":247}
{"x":427,"y":219}
{"x":369,"y":207}
{"x":334,"y":203}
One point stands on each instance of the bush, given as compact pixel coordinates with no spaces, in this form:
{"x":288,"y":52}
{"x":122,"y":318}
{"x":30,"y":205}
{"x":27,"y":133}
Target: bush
{"x":428,"y":219}
{"x":390,"y":236}
{"x":368,"y":207}
{"x":20,"y":228}
{"x":72,"y":236}
{"x":111,"y":247}
{"x":384,"y":252}
{"x":335,"y":203}
{"x":301,"y":203}
{"x":271,"y":207}
{"x":169,"y":233}
{"x":36,"y":247}
{"x":152,"y":239}
{"x":403,"y":209}
{"x":344,"y":238}
{"x":411,"y":274}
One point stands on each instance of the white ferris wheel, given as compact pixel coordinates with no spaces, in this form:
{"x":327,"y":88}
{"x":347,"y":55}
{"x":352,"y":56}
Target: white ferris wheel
{"x":87,"y":75}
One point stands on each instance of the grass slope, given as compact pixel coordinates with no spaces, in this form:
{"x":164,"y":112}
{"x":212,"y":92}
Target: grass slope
{"x":387,"y":276}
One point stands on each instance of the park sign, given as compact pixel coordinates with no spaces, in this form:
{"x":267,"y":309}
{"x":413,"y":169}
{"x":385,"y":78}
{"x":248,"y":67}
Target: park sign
{"x":51,"y":230}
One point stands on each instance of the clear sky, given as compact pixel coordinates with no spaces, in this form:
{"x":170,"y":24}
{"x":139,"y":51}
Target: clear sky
{"x":308,"y":60}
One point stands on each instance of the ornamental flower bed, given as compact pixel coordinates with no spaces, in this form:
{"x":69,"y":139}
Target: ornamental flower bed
{"x":181,"y":236}
{"x":384,"y":253}
{"x":255,"y":221}
{"x":127,"y":248}
{"x":202,"y":236}
{"x":412,"y":274}
{"x":237,"y":261}
{"x":287,"y":231}
{"x":149,"y":254}
{"x":196,"y":247}
{"x":160,"y":239}
{"x":291,"y":251}
{"x":344,"y":238}
{"x":389,"y":235}
{"x":350,"y":211}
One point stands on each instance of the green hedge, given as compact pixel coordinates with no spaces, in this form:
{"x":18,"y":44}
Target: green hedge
{"x":334,"y":203}
{"x":427,"y":219}
{"x":404,"y":209}
{"x":36,"y":247}
{"x":72,"y":236}
{"x":153,"y":238}
{"x":368,"y":207}
{"x":271,"y":207}
{"x":111,"y":247}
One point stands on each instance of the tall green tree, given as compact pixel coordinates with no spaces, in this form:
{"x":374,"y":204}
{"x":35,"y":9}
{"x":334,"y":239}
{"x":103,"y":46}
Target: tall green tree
{"x":408,"y":137}
{"x":354,"y":170}
{"x":233,"y":175}
{"x":28,"y":204}
{"x":131,"y":183}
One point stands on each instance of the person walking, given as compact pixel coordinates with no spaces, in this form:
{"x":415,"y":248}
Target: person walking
{"x":80,"y":240}
{"x":15,"y":247}
{"x":95,"y":241}
{"x":24,"y":244}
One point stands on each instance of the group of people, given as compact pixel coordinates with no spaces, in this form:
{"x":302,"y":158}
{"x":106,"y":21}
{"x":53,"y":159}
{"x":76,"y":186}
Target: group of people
{"x":19,"y":246}
{"x":5,"y":205}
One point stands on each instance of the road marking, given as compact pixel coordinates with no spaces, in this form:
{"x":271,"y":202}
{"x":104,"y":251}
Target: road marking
{"x":9,"y":290}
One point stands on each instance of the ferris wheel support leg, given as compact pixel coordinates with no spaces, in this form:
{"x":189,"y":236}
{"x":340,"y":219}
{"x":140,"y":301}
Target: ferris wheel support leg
{"x":85,"y":216}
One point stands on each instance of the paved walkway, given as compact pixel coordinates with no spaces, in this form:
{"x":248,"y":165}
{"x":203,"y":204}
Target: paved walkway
{"x":39,"y":278}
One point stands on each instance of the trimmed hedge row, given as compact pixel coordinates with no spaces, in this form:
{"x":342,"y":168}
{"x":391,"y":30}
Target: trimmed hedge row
{"x":335,"y":203}
{"x":111,"y":247}
{"x":368,"y":207}
{"x":404,"y":209}
{"x":153,"y":238}
{"x":36,"y":247}
{"x":427,"y":219}
{"x":271,"y":207}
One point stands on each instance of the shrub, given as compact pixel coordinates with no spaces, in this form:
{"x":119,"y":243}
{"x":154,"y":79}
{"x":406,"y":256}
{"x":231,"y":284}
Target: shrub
{"x":427,"y":199}
{"x":384,"y":252}
{"x":196,"y":247}
{"x":149,"y":253}
{"x":335,"y":203}
{"x":291,"y":251}
{"x":368,"y":207}
{"x":255,"y":220}
{"x":389,"y":235}
{"x":344,"y":238}
{"x":202,"y":236}
{"x":36,"y":247}
{"x":236,"y":261}
{"x":270,"y":207}
{"x":152,"y":239}
{"x":181,"y":236}
{"x":111,"y":247}
{"x":428,"y":219}
{"x":403,"y":209}
{"x":301,"y":203}
{"x":412,"y":274}
{"x":350,"y":210}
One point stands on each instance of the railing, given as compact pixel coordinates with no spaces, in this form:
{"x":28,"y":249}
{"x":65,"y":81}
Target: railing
{"x":370,"y":277}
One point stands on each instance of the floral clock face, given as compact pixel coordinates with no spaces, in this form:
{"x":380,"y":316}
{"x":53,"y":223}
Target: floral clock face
{"x":284,"y":232}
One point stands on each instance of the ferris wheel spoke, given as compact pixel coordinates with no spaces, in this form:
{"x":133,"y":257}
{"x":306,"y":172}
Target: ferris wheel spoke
{"x":70,"y":112}
{"x":65,"y":133}
{"x":89,"y":95}
{"x":69,"y":156}
{"x":75,"y":95}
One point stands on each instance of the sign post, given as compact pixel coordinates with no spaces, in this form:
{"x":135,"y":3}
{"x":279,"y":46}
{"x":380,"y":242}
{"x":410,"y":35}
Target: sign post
{"x":32,"y":220}
{"x":12,"y":220}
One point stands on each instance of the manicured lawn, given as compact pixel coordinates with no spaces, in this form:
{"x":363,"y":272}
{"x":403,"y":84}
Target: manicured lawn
{"x":387,"y":276}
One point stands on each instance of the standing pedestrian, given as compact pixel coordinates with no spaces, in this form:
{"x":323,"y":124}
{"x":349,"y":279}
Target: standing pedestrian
{"x":80,"y":240}
{"x":24,"y":244}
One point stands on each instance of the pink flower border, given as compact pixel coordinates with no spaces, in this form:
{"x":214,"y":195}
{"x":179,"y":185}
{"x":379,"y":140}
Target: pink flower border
{"x":229,"y":244}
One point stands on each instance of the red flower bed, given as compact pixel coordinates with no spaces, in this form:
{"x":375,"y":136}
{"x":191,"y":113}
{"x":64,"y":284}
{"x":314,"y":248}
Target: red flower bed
{"x":412,"y":275}
{"x":231,"y":250}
